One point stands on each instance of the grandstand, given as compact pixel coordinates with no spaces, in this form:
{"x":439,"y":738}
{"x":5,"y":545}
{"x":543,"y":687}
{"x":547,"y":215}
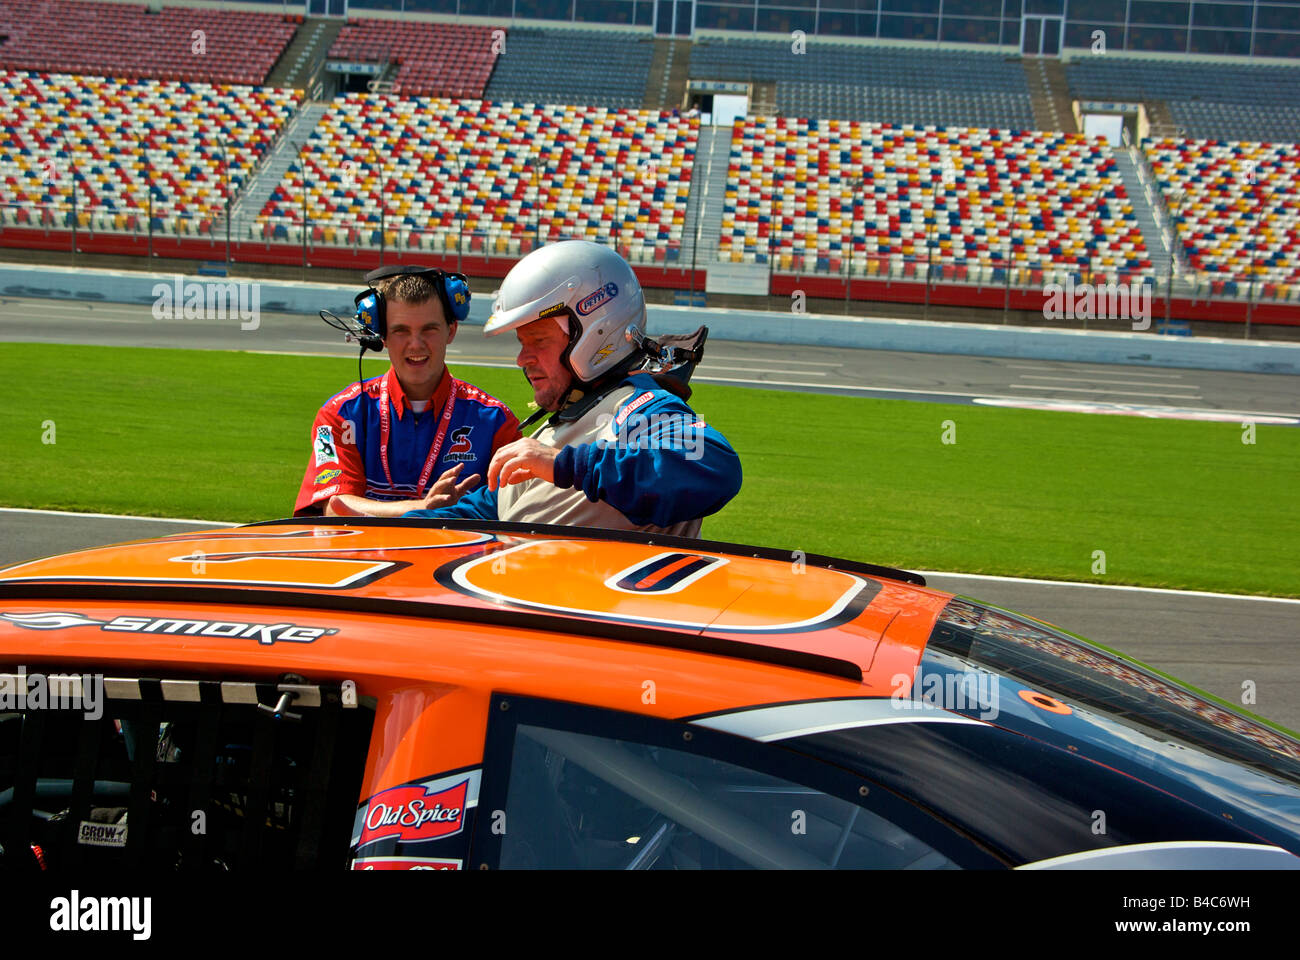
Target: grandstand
{"x":127,"y":40}
{"x":573,"y":67}
{"x":841,"y":196}
{"x":863,"y":170}
{"x":442,"y":60}
{"x":1228,"y":101}
{"x":114,"y":150}
{"x":504,"y":176}
{"x":1237,"y":212}
{"x":837,"y":81}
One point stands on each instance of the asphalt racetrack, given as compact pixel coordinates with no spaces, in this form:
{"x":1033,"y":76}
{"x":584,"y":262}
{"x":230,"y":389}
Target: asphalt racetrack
{"x":1213,"y":641}
{"x":866,"y":373}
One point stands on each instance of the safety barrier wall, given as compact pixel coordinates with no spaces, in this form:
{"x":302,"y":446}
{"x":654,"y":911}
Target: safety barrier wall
{"x":971,"y":339}
{"x":991,"y":296}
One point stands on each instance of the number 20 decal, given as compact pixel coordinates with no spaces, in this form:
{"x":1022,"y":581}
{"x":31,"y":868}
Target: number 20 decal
{"x":292,"y":557}
{"x":670,"y":588}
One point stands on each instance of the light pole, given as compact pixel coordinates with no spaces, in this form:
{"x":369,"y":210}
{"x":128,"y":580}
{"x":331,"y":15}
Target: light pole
{"x":225,"y":167}
{"x":1176,"y":199}
{"x":1006,"y":282}
{"x":460,"y":233}
{"x":929,"y":226}
{"x":383,"y":211}
{"x":537,"y":210}
{"x":72,"y":164}
{"x":618,"y":203}
{"x":771,"y":235}
{"x":148,"y":173}
{"x":855,"y":190}
{"x":302,"y":172}
{"x":1264,"y":197}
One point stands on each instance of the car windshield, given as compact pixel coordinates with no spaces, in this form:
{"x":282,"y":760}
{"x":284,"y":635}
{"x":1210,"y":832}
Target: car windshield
{"x":1064,"y":667}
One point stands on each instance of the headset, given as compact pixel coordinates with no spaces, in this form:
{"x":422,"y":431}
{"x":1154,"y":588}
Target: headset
{"x":372,"y":311}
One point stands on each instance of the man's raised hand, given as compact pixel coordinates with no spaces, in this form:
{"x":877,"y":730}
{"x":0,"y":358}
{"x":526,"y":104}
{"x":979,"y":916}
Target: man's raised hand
{"x":446,"y":491}
{"x":520,"y":461}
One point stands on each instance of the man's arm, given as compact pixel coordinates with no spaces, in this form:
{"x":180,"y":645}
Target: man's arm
{"x":480,"y":504}
{"x":665,"y":466}
{"x":443,"y":493}
{"x":333,"y":467}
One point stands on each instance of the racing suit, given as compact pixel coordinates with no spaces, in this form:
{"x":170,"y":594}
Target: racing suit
{"x":350,"y":456}
{"x":633,"y":458}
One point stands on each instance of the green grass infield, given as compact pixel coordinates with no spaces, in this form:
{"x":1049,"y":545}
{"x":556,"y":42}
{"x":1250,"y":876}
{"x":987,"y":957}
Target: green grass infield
{"x":1024,"y":493}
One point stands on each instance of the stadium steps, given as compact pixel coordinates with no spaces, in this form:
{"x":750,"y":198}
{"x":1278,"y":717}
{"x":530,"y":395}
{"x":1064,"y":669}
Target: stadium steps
{"x":273,"y":168}
{"x":708,"y":191}
{"x":657,"y":82}
{"x":1138,"y":194}
{"x":1161,"y":119}
{"x":679,"y":73}
{"x":308,"y":48}
{"x":762,"y":101}
{"x":670,"y":66}
{"x":1049,"y":94}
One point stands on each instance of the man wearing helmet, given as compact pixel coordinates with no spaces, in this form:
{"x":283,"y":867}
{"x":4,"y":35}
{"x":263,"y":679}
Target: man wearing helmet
{"x":417,"y":436}
{"x":622,"y":449}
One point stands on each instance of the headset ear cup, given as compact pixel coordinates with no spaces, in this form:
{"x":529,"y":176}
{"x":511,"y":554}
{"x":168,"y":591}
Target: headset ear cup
{"x":455,"y":297}
{"x":372,"y":314}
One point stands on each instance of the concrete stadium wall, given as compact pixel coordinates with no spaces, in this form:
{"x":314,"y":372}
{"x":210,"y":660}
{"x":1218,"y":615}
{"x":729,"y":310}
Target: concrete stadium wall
{"x":970,"y":339}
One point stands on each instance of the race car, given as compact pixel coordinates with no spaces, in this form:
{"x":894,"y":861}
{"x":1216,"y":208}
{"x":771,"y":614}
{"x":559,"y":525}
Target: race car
{"x":364,"y":694}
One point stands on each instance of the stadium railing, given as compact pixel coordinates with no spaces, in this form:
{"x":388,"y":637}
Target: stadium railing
{"x":1077,"y":298}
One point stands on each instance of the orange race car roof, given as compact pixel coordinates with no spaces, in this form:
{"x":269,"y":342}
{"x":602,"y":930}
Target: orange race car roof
{"x":854,"y":621}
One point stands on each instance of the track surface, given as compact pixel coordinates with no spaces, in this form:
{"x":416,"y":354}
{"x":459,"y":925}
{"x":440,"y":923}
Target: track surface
{"x":1216,"y":643}
{"x":871,"y":373}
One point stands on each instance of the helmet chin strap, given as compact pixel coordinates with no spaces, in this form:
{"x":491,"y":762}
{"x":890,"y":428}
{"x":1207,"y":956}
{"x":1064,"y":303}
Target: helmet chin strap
{"x":584,"y":394}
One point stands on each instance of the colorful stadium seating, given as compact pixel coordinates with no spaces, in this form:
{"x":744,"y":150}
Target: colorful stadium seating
{"x":528,"y":172}
{"x":126,"y":40}
{"x":1235,"y":208}
{"x":115,"y":137}
{"x":838,"y":196}
{"x":439,"y":60}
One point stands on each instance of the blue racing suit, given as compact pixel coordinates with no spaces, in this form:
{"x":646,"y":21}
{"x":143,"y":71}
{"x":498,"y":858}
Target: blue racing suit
{"x":635,"y":457}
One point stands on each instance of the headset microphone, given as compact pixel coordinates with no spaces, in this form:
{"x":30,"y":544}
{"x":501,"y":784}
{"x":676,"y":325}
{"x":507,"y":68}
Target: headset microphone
{"x":354,"y":332}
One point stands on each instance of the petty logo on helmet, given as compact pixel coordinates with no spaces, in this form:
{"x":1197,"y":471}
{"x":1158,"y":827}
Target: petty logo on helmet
{"x":590,"y":302}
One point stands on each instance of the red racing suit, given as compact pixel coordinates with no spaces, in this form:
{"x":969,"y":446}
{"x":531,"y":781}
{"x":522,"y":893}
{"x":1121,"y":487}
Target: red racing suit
{"x":357,"y":449}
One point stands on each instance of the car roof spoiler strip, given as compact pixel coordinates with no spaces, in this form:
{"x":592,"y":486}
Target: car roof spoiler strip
{"x":617,"y":536}
{"x":626,"y":633}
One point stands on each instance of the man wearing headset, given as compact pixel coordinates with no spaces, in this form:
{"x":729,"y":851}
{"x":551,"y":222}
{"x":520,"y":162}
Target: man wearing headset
{"x":622,"y":450}
{"x":416,"y":437}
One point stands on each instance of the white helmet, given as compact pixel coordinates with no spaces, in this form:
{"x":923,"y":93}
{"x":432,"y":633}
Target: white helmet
{"x":589,"y":290}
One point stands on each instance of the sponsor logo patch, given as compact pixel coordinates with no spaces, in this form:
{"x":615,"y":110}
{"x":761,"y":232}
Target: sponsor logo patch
{"x":325,"y":452}
{"x":325,"y":476}
{"x":460,"y":450}
{"x":415,"y":814}
{"x":265,"y":633}
{"x":551,"y":311}
{"x":632,"y":407}
{"x":93,"y":834}
{"x":406,"y":863}
{"x":597,"y":298}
